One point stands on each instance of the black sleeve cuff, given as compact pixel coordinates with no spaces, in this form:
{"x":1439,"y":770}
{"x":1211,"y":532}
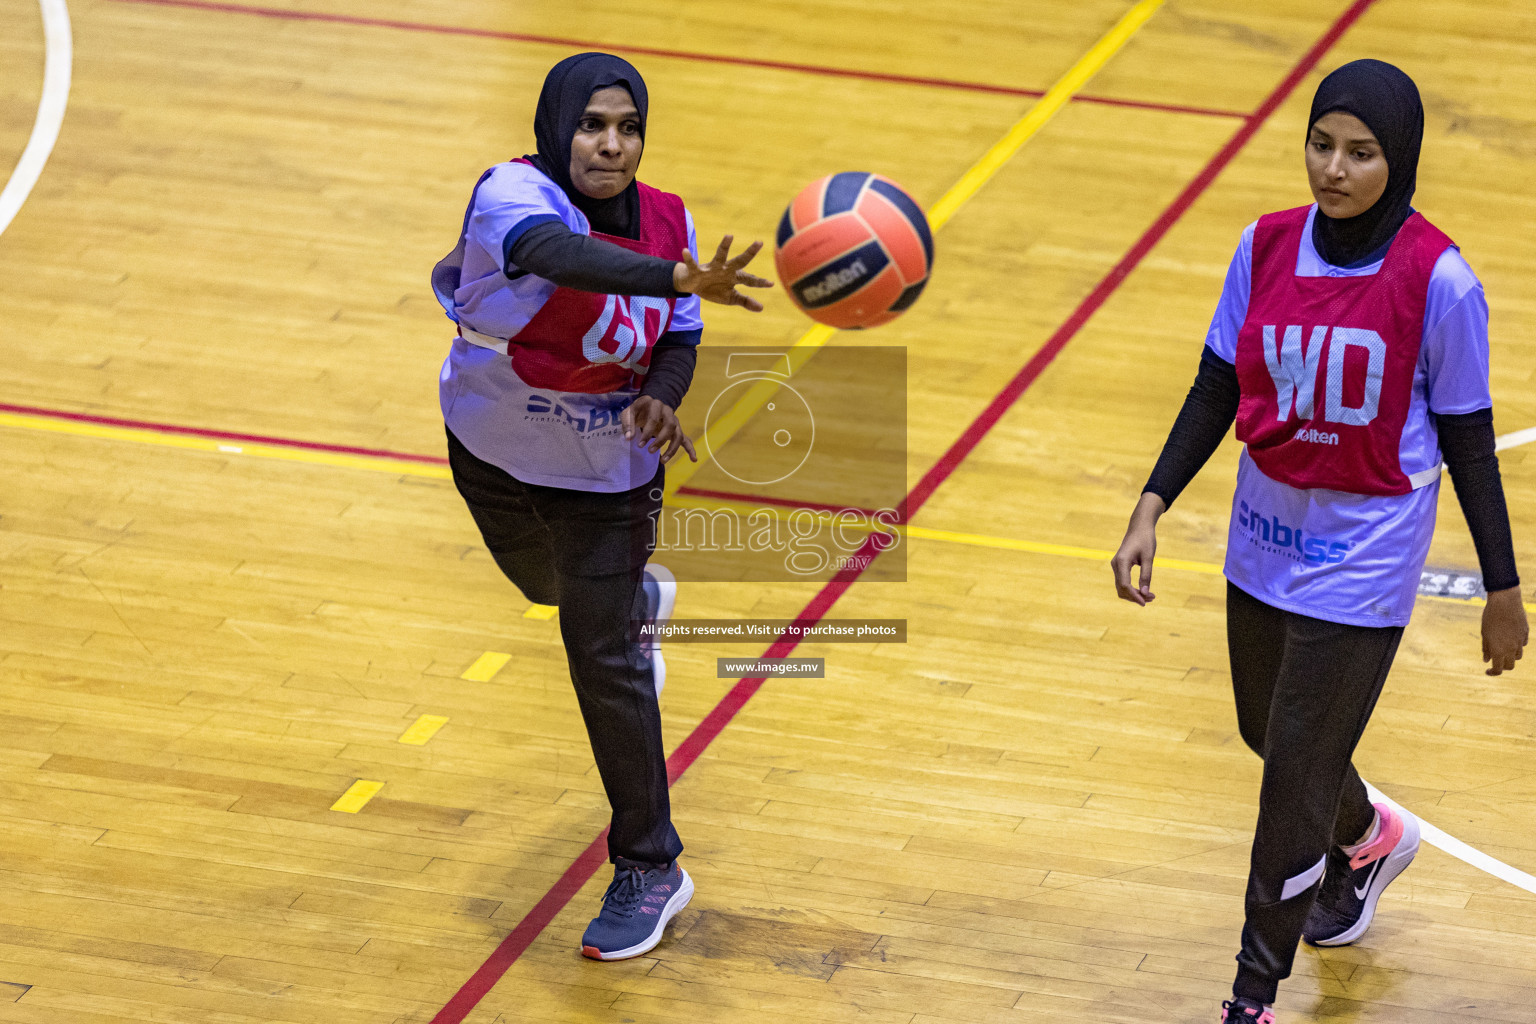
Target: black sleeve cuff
{"x":1208,"y":412}
{"x":1467,"y":443}
{"x":672,"y":365}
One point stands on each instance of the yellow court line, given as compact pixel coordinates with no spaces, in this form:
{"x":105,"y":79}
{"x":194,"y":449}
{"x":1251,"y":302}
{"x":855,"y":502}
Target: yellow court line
{"x":1041,"y":548}
{"x":423,"y":729}
{"x":1056,"y":97}
{"x":1103,"y":556}
{"x":1034,"y":547}
{"x":486,"y":666}
{"x":357,"y":796}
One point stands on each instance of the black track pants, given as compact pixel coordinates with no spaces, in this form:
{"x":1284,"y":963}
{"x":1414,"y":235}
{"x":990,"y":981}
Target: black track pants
{"x":1305,"y":689}
{"x":583,"y":551}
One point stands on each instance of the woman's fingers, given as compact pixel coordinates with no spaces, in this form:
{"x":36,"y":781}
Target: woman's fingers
{"x":752,"y":280}
{"x":746,"y":301}
{"x":666,"y":456}
{"x":1121,"y":564}
{"x":746,"y":256}
{"x":645,"y":423}
{"x":723,"y":251}
{"x":688,"y":447}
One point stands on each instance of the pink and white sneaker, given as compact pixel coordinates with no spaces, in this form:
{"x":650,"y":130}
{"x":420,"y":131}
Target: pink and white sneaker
{"x":1346,"y":903}
{"x":1246,"y":1011}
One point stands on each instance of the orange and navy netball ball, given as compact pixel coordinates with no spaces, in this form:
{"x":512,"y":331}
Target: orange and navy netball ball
{"x":853,"y":250}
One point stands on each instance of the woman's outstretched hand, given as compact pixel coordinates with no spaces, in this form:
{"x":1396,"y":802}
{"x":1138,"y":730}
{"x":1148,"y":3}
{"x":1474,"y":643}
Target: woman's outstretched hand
{"x":1505,"y":630}
{"x":648,"y":420}
{"x":716,"y":280}
{"x":1138,"y":548}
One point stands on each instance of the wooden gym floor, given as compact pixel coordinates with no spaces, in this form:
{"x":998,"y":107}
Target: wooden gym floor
{"x":1036,"y":810}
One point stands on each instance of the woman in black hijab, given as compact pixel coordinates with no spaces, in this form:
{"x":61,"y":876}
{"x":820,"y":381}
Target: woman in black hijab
{"x":576,"y":293}
{"x":1351,"y":348}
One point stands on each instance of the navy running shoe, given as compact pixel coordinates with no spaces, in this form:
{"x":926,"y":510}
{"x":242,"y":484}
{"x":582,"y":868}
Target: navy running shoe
{"x":1246,"y":1011}
{"x":1346,"y":903}
{"x":636,"y":908}
{"x":660,"y":588}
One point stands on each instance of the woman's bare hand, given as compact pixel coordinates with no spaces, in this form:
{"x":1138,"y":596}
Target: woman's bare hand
{"x":649,"y":420}
{"x":1505,"y":630}
{"x":1138,"y":548}
{"x":716,"y":280}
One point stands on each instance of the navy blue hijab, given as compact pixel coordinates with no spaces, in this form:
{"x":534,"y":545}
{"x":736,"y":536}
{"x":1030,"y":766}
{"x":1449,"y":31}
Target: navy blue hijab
{"x":567,"y":89}
{"x":1387,"y":101}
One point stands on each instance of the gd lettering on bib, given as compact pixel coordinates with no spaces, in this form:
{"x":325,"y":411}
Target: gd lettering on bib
{"x":1326,"y":364}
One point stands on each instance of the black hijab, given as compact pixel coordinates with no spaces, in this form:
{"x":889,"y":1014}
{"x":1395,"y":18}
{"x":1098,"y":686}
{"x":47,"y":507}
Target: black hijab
{"x":1388,"y":102}
{"x":567,"y":89}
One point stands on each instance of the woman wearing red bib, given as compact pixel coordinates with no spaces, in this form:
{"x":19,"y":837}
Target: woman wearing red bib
{"x":1350,"y":347}
{"x":575,"y":290}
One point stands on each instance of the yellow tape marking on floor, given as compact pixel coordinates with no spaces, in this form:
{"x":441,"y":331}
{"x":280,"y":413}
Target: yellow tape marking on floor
{"x":546,"y":612}
{"x":981,"y":540}
{"x":357,"y":796}
{"x":1056,"y":97}
{"x":423,"y":729}
{"x":1101,"y":555}
{"x":1040,"y":548}
{"x":486,"y":666}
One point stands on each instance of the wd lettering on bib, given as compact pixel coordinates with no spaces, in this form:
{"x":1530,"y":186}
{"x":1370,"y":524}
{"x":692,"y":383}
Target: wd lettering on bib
{"x":1294,"y":372}
{"x":1326,"y":364}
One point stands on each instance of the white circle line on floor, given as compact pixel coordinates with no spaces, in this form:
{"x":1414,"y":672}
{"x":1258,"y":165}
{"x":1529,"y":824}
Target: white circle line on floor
{"x":50,"y":110}
{"x":1460,"y":850}
{"x":1516,"y":439}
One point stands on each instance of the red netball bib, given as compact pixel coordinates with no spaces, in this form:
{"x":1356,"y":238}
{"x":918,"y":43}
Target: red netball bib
{"x":1326,"y":364}
{"x":590,"y":343}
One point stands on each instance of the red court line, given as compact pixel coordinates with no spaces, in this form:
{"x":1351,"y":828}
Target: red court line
{"x":1111,"y":281}
{"x":220,"y":435}
{"x":596,"y":854}
{"x":378,"y":453}
{"x":652,"y":51}
{"x":715,"y":722}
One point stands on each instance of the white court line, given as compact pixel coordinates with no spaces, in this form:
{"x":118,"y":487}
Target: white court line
{"x":1460,"y":850}
{"x":50,"y":110}
{"x":1516,"y":439}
